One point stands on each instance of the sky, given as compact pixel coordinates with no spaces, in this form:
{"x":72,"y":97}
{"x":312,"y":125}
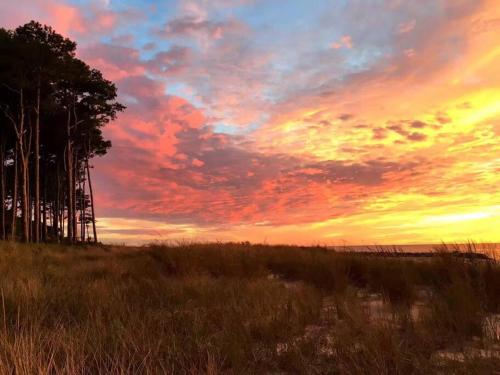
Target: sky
{"x":293,"y":121}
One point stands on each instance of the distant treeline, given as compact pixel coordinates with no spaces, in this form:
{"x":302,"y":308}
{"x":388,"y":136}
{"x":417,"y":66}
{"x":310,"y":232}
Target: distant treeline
{"x":52,"y":110}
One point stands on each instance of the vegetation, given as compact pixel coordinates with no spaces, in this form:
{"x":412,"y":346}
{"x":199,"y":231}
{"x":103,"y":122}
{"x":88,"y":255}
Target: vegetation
{"x":52,"y":109}
{"x":241,"y":308}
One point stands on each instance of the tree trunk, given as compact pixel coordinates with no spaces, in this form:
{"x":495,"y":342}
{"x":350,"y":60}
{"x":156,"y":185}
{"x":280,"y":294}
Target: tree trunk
{"x":91,"y":200}
{"x":23,"y":154}
{"x":62,"y":220}
{"x":36,"y":237}
{"x":24,"y":199}
{"x":62,"y":209}
{"x":73,"y":186}
{"x":24,"y":173}
{"x":55,"y":209}
{"x":14,"y":195}
{"x":20,"y":132}
{"x":2,"y":190}
{"x":44,"y":209}
{"x":82,"y":211}
{"x":69,"y":178}
{"x":30,"y":203}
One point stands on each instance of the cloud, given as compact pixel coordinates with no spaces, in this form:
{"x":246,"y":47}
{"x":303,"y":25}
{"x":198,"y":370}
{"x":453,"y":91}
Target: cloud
{"x":418,"y":124}
{"x":416,"y":137}
{"x":191,"y":26}
{"x":345,"y":41}
{"x":234,"y":185}
{"x":66,"y":18}
{"x":61,"y":16}
{"x":173,"y":61}
{"x":379,"y":133}
{"x":406,"y":27}
{"x":346,"y":116}
{"x":114,"y":60}
{"x":236,"y":127}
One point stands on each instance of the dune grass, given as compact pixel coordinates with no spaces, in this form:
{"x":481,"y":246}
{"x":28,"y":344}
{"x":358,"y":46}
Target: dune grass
{"x":240,"y":309}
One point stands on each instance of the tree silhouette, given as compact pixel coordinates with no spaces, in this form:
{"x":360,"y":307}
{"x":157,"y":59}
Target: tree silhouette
{"x":52,"y":110}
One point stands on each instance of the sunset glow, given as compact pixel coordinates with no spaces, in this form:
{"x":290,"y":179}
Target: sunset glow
{"x":324,"y":122}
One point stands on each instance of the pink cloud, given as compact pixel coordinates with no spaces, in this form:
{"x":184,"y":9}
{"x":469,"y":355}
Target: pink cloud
{"x":200,"y":28}
{"x":64,"y":18}
{"x":67,"y":19}
{"x":406,"y":27}
{"x":106,"y":21}
{"x":198,"y":163}
{"x":345,"y":41}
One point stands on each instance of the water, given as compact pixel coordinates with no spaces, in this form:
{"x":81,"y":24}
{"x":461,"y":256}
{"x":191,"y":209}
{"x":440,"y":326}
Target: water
{"x":491,"y":249}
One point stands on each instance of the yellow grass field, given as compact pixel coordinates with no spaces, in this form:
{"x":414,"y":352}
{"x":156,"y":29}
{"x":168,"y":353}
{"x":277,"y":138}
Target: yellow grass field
{"x":244,"y":309}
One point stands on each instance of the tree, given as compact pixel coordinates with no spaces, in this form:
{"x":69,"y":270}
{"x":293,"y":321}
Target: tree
{"x":52,"y":109}
{"x":47,"y":50}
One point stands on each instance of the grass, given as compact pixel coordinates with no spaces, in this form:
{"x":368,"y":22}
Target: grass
{"x":240,"y":309}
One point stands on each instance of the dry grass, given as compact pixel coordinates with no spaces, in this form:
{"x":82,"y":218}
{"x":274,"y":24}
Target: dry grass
{"x":237,"y":308}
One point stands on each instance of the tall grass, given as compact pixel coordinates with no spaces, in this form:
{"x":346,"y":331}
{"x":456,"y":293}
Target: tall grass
{"x":229,"y":308}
